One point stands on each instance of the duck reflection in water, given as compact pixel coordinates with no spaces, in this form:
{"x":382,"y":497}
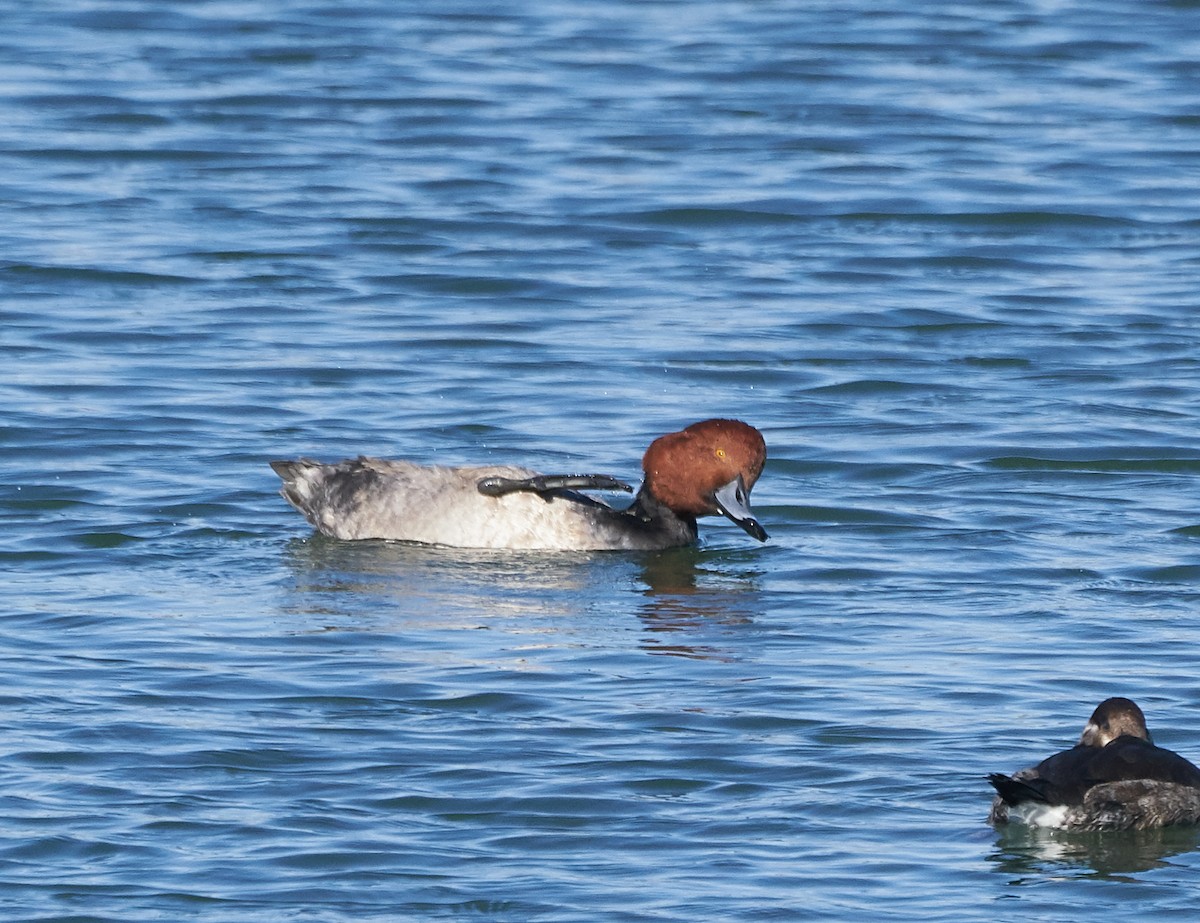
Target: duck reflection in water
{"x":692,"y":602}
{"x":1031,"y":853}
{"x":686,"y":601}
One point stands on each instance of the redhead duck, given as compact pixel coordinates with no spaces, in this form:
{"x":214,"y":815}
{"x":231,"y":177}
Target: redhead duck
{"x":706,"y":469}
{"x":1115,"y":778}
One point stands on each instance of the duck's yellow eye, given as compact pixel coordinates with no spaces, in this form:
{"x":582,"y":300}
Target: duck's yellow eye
{"x":720,"y":453}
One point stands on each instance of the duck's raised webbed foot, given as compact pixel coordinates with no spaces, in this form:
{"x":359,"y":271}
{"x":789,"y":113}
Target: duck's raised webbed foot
{"x":545,"y":484}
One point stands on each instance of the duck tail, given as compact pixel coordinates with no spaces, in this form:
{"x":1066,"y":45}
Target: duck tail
{"x":296,"y":475}
{"x":1014,"y":791}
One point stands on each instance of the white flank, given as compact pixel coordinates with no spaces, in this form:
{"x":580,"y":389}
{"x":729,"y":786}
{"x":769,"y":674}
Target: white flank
{"x":1037,"y":814}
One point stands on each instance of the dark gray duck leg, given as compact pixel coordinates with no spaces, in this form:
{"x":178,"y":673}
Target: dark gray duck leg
{"x":544,"y":484}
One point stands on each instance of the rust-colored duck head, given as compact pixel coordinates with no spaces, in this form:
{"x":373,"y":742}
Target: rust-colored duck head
{"x":707,"y":469}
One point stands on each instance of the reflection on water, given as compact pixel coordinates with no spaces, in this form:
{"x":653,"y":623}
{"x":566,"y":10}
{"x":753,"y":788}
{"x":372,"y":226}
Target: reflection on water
{"x":690,"y":598}
{"x":684,"y":599}
{"x":1031,"y":853}
{"x":320,"y":562}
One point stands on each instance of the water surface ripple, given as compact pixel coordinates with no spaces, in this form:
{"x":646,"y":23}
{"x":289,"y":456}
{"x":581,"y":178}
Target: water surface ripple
{"x":944,"y":258}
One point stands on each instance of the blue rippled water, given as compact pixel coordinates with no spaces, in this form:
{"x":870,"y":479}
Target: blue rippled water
{"x":944,"y":257}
